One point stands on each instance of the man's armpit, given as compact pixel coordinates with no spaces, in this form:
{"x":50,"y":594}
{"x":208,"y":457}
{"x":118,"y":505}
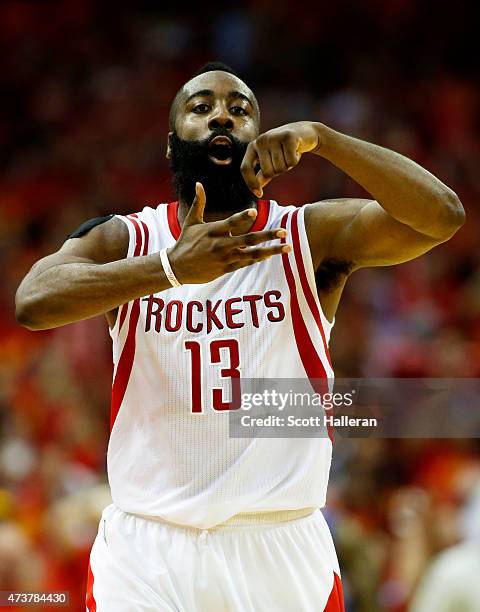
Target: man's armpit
{"x":331,"y":273}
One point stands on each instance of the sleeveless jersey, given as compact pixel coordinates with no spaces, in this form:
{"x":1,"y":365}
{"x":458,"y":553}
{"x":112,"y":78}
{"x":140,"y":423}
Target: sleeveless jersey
{"x":169,"y":454}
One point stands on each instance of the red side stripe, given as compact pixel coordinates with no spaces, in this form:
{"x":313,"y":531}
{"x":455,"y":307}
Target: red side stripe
{"x":310,"y":359}
{"x":335,"y":602}
{"x":305,"y":285}
{"x":123,"y":314}
{"x":138,"y":234}
{"x":125,"y":363}
{"x":147,"y":237}
{"x":138,"y":246}
{"x":90,"y":599}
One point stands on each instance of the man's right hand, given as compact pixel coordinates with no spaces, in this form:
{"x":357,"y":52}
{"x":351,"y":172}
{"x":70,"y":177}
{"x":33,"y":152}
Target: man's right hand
{"x":205,"y":251}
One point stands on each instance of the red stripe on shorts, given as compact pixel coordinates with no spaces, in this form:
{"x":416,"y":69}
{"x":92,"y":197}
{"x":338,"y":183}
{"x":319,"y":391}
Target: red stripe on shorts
{"x":335,"y":602}
{"x":90,"y":599}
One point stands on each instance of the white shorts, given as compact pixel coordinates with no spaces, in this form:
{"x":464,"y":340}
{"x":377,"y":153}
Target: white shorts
{"x":143,"y":565}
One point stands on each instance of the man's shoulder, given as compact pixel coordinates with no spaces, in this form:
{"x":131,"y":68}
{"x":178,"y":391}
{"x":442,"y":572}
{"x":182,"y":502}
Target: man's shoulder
{"x":327,"y":217}
{"x":102,"y":239}
{"x":337,"y":208}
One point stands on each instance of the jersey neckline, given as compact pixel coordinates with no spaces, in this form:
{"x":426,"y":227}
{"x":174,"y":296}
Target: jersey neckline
{"x":263,"y":208}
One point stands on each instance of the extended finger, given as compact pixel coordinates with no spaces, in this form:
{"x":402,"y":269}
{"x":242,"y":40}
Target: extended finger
{"x":247,"y":168}
{"x":257,"y":253}
{"x":243,"y":263}
{"x":236,"y":224}
{"x":262,"y":181}
{"x":267,"y":172}
{"x":195,"y":214}
{"x":254,"y":238}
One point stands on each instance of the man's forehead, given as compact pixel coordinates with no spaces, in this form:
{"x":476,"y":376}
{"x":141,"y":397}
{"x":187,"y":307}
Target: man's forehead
{"x":218,"y":81}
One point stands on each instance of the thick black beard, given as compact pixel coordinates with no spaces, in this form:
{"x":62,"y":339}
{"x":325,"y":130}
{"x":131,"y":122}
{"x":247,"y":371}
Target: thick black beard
{"x":225,"y":188}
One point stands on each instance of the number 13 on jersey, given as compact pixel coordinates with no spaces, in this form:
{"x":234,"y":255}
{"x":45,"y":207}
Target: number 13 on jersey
{"x":226,"y":353}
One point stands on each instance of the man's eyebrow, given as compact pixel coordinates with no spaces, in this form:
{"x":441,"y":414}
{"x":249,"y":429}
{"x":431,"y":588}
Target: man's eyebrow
{"x":201,"y":92}
{"x":239,"y":94}
{"x":210,"y":92}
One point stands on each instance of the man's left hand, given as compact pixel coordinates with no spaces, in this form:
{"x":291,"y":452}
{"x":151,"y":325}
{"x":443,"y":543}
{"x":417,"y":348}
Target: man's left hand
{"x":277,"y":151}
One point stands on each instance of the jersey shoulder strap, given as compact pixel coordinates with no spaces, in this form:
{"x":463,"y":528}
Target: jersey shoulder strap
{"x":147,"y":230}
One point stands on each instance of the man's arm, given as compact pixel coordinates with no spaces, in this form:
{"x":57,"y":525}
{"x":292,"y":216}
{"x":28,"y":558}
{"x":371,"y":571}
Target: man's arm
{"x":363,"y":234}
{"x":86,"y":277}
{"x":411,"y":210}
{"x":89,"y":276}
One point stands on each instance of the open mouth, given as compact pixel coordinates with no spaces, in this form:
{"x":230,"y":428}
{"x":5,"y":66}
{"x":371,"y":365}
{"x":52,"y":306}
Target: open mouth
{"x":220,"y":150}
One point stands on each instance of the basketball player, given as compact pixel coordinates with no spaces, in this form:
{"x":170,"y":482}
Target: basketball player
{"x":198,"y":293}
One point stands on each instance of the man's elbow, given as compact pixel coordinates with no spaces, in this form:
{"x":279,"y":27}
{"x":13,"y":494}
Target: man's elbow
{"x":23,"y":317}
{"x":26,"y":313}
{"x":453,"y":216}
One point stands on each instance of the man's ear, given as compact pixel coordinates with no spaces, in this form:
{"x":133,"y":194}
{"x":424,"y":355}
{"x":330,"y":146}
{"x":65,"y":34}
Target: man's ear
{"x":169,"y":148}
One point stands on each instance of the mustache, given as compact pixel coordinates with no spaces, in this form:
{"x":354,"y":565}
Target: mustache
{"x":205,"y":142}
{"x":224,"y":184}
{"x":195,"y":148}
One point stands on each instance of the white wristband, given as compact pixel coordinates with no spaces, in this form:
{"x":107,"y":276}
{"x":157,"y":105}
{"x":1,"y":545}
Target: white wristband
{"x":167,"y":268}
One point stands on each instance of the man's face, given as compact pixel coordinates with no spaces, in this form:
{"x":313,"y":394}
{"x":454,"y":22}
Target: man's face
{"x":216,"y":99}
{"x":215,"y":120}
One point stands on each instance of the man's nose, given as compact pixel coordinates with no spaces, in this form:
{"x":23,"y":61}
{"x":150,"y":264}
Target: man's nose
{"x":220,"y":118}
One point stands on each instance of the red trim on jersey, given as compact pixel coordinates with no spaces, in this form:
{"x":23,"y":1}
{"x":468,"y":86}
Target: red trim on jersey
{"x":335,"y":601}
{"x":90,"y":599}
{"x":139,"y":241}
{"x":125,"y":363}
{"x":297,"y":250}
{"x":263,"y":209}
{"x":172,"y":216}
{"x":310,"y":359}
{"x":138,"y":246}
{"x":123,"y":314}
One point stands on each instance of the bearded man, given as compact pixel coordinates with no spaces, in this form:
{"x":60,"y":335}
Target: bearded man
{"x":198,"y":294}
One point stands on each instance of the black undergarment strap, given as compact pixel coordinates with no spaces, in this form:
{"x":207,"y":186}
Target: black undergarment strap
{"x":88,"y":225}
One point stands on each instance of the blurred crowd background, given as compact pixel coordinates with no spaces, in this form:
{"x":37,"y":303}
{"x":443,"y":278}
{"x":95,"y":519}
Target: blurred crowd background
{"x":86,"y":88}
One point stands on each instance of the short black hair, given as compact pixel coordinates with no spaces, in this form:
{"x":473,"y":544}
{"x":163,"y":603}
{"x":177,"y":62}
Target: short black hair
{"x":208,"y":67}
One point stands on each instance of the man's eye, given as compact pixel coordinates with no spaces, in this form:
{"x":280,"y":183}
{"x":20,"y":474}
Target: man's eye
{"x":238,"y":110}
{"x":200,"y":108}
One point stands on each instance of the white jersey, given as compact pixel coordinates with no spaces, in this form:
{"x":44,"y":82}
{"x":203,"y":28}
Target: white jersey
{"x":176,"y":354}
